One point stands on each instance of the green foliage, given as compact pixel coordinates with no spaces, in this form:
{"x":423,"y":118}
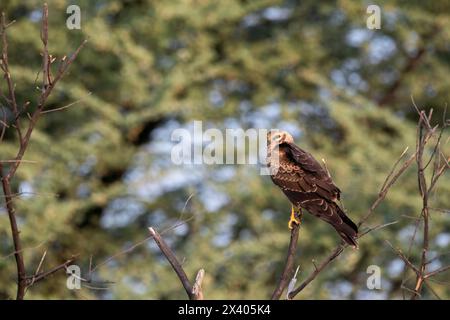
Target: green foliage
{"x":103,"y":171}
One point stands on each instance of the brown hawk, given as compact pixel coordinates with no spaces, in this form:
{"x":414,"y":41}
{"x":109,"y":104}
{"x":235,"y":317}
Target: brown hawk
{"x":307,"y":184}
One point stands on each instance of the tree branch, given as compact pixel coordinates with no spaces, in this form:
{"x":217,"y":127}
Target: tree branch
{"x":425,"y":213}
{"x":40,"y":276}
{"x":288,"y":269}
{"x":21,"y":272}
{"x":436,"y":272}
{"x":4,"y":65}
{"x":24,"y":140}
{"x":192,"y":292}
{"x":197,"y":290}
{"x":404,"y":258}
{"x":424,"y":130}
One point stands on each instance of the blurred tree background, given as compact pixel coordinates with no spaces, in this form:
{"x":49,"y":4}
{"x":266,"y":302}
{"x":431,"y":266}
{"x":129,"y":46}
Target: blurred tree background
{"x":104,"y":174}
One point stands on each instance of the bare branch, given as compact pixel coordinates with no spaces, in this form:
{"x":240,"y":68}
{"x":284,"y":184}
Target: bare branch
{"x":432,"y":290}
{"x":41,"y":276}
{"x":404,"y":258}
{"x":4,"y":62}
{"x":21,"y":161}
{"x":317,"y":270}
{"x":388,"y":183}
{"x":21,"y":272}
{"x":286,"y":275}
{"x":131,"y":248}
{"x":197,"y":290}
{"x":170,"y":256}
{"x":3,"y":124}
{"x":380,"y":226}
{"x":48,"y":88}
{"x":41,"y":262}
{"x":66,"y":106}
{"x":425,"y":131}
{"x":6,"y":177}
{"x":436,"y":272}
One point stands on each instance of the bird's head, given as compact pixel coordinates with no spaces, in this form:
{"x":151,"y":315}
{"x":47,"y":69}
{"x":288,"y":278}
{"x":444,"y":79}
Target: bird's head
{"x":275,"y":138}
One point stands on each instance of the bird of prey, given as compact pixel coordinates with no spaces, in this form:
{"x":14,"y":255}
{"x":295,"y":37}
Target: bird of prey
{"x":307,"y":185}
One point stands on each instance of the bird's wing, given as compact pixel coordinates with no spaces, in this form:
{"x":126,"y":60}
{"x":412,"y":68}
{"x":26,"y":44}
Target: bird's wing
{"x":315,"y":175}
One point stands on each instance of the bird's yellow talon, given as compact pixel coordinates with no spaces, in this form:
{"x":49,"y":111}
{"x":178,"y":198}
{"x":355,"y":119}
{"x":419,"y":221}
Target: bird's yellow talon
{"x":294,"y":219}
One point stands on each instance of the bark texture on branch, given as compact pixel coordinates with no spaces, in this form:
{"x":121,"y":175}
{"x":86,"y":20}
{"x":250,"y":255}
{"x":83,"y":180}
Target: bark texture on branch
{"x":194,"y":292}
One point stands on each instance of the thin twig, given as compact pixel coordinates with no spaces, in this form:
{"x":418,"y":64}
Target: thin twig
{"x":432,"y":290}
{"x":41,"y":276}
{"x":436,"y":272}
{"x":38,"y":269}
{"x":134,"y":246}
{"x":380,"y":226}
{"x":425,"y":213}
{"x":404,"y":258}
{"x":66,"y":106}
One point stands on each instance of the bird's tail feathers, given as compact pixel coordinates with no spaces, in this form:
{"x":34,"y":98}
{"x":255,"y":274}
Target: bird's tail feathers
{"x":348,"y":230}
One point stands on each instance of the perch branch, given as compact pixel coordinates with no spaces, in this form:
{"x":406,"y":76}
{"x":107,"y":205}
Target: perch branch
{"x":288,"y":269}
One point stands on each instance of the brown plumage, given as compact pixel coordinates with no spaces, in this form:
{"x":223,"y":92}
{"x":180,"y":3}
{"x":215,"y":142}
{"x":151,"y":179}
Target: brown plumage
{"x":307,"y":184}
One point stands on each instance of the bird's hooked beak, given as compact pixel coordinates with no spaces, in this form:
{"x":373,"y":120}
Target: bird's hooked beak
{"x":275,"y":138}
